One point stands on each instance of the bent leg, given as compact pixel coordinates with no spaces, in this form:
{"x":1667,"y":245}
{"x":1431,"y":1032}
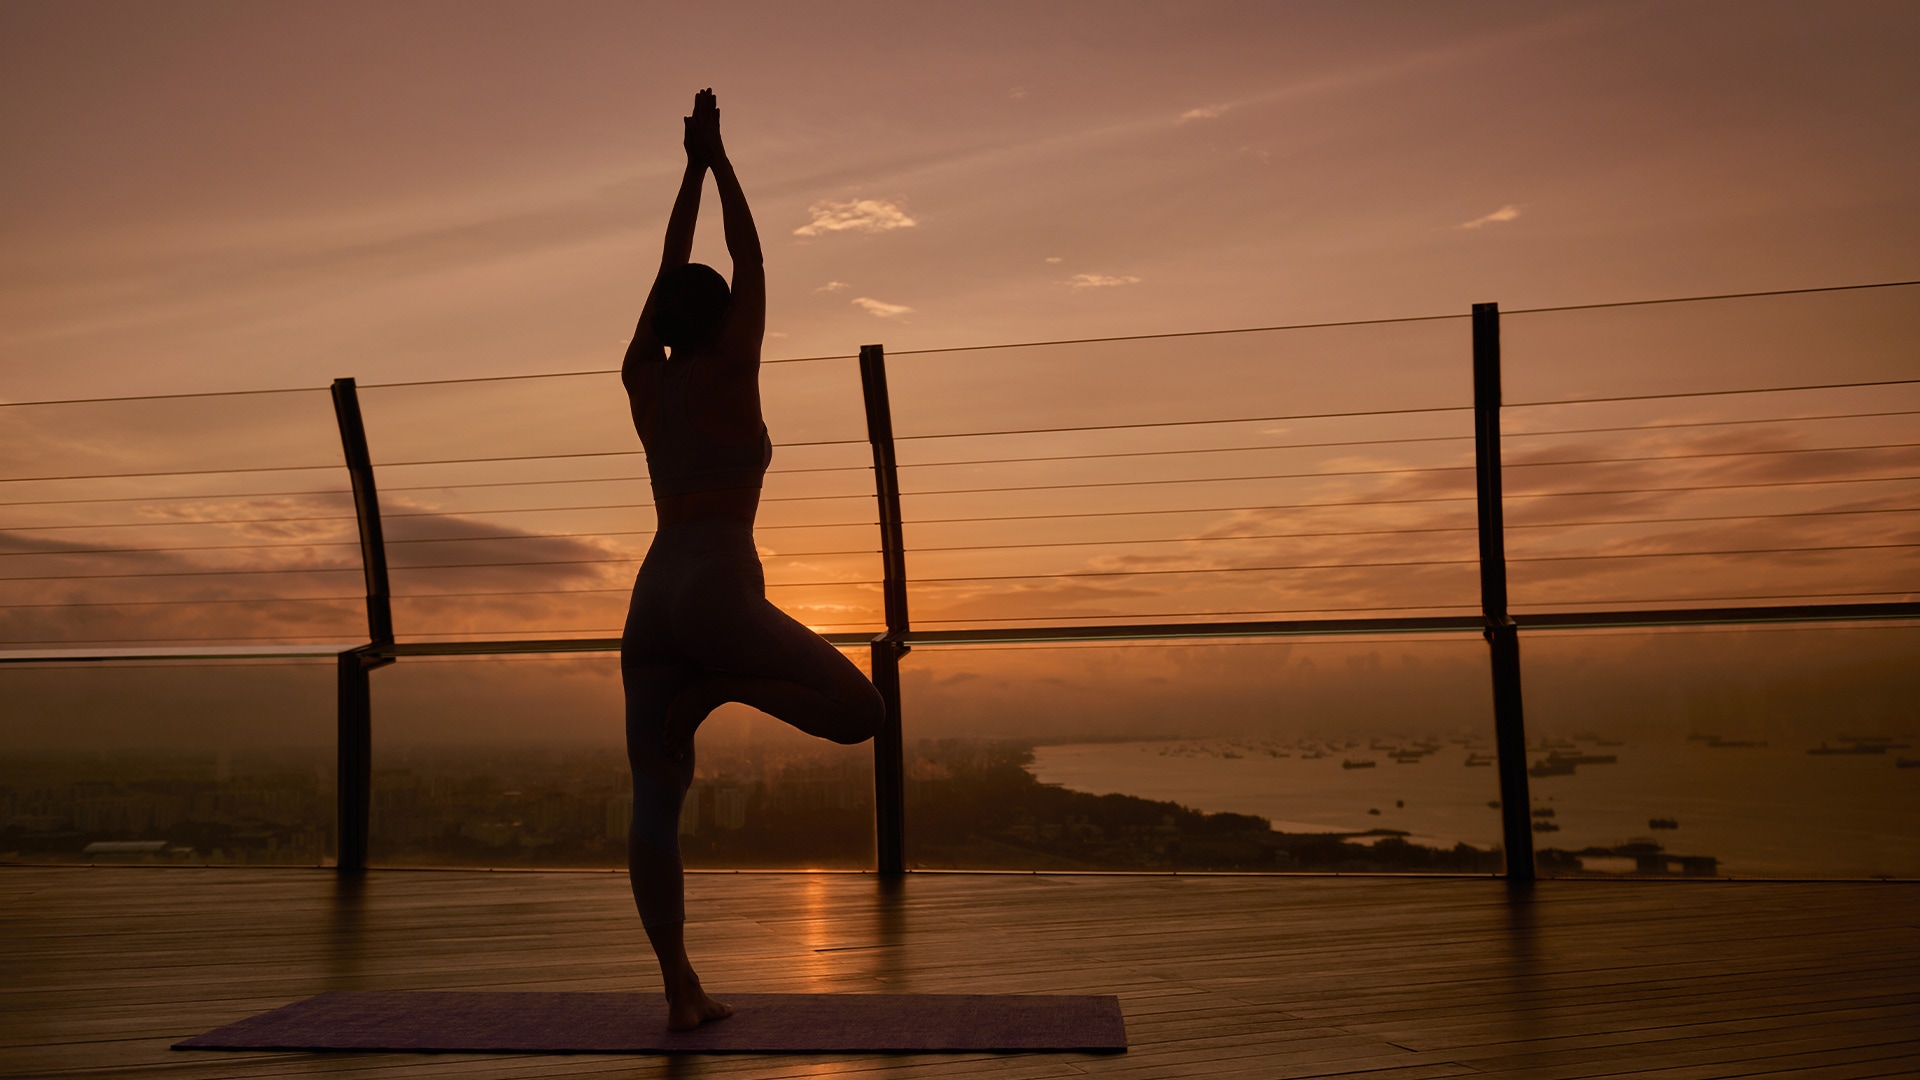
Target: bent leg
{"x":762,"y":657}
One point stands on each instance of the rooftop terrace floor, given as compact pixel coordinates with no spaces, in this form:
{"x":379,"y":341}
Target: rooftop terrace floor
{"x":1386,"y":978}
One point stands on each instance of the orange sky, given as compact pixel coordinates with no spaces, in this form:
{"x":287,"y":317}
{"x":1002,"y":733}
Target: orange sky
{"x":210,"y":197}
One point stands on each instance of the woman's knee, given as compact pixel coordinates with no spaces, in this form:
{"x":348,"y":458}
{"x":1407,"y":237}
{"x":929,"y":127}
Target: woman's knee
{"x":862,"y":713}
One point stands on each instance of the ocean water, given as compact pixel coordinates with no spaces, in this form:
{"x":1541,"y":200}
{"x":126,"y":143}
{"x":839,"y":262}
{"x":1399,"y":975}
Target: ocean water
{"x":1772,"y":811}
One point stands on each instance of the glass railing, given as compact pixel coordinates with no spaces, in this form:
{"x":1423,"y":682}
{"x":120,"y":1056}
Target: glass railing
{"x":1204,"y":601}
{"x":174,"y":762}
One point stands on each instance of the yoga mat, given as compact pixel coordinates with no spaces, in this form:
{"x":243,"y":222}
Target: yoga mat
{"x":629,"y":1023}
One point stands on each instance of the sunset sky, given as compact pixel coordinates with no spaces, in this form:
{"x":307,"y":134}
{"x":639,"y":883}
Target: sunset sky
{"x":228,"y":196}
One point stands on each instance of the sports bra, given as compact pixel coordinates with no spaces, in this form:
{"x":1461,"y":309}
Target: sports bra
{"x":681,"y":461}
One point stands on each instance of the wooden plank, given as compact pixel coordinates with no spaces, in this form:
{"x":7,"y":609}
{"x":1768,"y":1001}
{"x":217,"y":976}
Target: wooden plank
{"x":1219,"y":976}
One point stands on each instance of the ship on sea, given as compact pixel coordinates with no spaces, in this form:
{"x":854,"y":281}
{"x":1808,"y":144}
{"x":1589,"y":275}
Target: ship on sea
{"x":1559,"y":763}
{"x":1860,"y":744}
{"x":1479,"y":759}
{"x":1363,"y":763}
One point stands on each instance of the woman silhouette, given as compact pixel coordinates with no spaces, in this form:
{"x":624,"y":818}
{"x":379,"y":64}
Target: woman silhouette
{"x":700,"y":631}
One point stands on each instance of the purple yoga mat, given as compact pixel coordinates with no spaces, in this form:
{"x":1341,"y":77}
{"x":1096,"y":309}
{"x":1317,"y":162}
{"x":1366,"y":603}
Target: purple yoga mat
{"x":628,"y":1023}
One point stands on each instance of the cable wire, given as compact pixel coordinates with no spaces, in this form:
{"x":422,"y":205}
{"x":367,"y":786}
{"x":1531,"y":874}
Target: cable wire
{"x":1712,"y":517}
{"x":1388,"y":502}
{"x":1708,"y":487}
{"x":1012,"y":345}
{"x":222,"y":600}
{"x":171,"y":498}
{"x":168,"y":472}
{"x":197,"y":547}
{"x":278,"y":639}
{"x":1201,"y":570}
{"x":1185,"y":423}
{"x":1192,"y":510}
{"x":1685,"y":554}
{"x":185,"y":573}
{"x":1718,"y":296}
{"x":1703,"y":423}
{"x":1183,"y":334}
{"x":1563,"y":605}
{"x":159,"y":524}
{"x":170,"y":397}
{"x":1130,"y":616}
{"x":1156,"y":540}
{"x":1715,"y":393}
{"x":1397,"y":563}
{"x":1186,"y":480}
{"x":1171,"y":453}
{"x":1716,"y":454}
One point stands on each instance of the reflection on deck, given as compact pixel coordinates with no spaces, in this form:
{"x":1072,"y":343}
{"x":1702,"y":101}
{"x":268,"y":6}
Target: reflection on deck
{"x":1219,"y":975}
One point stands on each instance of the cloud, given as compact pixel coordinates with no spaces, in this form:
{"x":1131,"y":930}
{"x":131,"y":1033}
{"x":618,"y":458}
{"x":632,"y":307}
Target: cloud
{"x":1505,"y":213}
{"x":1017,"y":93}
{"x":858,"y":215}
{"x":1053,"y":258}
{"x":880,"y":307}
{"x":834,"y":286}
{"x":1101,"y":281}
{"x":1204,"y":112}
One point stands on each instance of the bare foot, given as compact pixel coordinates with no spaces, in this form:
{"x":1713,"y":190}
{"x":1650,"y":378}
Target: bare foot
{"x":691,"y":1008}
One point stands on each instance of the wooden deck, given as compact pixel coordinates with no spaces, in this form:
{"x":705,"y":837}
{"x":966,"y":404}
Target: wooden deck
{"x":1386,"y":978}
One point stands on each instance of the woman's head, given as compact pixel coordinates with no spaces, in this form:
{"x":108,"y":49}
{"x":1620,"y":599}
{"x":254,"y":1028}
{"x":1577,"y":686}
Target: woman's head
{"x":690,"y":303}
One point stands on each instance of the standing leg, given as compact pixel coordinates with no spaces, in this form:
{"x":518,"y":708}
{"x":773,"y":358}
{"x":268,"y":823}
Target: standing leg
{"x":654,"y":868}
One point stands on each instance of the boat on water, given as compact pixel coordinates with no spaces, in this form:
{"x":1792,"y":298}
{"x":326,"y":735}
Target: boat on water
{"x":1363,"y":763}
{"x":1548,"y":766}
{"x":1662,"y":823}
{"x":1885,"y":742}
{"x":1583,"y":759}
{"x":1479,"y":759}
{"x":1855,"y":748}
{"x":1906,"y":763}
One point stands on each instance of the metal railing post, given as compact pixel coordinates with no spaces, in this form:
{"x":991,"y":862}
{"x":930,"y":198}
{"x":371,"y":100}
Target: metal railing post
{"x":1503,"y":637}
{"x":354,"y":769}
{"x":889,"y":749}
{"x":366,"y":507}
{"x":354,"y":692}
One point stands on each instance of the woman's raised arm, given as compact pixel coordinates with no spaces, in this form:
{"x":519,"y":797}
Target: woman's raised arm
{"x":678,"y":249}
{"x":747,"y":311}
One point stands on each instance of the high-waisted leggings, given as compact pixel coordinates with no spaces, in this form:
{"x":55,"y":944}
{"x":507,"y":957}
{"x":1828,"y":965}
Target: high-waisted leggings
{"x":700,"y":632}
